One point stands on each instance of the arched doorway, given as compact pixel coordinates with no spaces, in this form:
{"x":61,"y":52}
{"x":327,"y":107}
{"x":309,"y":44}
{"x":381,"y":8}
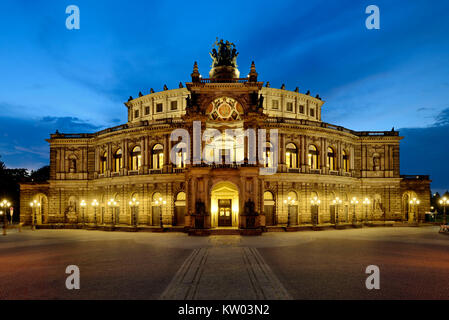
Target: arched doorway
{"x":180,"y":209}
{"x":345,"y":207}
{"x":42,"y":210}
{"x":268,"y":208}
{"x":292,"y":201}
{"x":156,"y":209}
{"x":407,"y":211}
{"x":314,"y":208}
{"x":332,"y":208}
{"x":224,"y":205}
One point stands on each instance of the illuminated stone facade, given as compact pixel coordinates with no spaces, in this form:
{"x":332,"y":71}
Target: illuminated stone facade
{"x":320,"y":167}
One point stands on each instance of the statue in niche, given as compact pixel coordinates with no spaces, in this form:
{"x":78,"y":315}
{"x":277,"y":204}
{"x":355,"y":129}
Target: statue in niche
{"x":70,"y":211}
{"x":378,"y":207}
{"x":249,"y":209}
{"x":376,"y":162}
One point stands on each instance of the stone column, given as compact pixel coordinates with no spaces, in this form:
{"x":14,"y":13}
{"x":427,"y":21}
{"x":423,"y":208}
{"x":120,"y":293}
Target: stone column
{"x":125,"y":156}
{"x":282,"y":165}
{"x":166,"y":153}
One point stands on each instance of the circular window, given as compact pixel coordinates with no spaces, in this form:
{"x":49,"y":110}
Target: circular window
{"x":224,"y":109}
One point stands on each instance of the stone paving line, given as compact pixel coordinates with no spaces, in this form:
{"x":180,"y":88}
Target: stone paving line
{"x":230,"y":273}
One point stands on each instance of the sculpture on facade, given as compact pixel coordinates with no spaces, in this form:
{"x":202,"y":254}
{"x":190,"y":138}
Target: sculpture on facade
{"x":226,"y":55}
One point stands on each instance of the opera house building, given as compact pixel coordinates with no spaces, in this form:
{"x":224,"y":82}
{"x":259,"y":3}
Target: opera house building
{"x":224,"y":152}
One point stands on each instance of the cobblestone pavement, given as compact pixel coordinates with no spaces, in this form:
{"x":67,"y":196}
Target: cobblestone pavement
{"x":413,"y":262}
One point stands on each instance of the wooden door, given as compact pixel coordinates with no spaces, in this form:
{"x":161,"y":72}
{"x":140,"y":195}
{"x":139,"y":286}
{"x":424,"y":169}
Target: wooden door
{"x":224,"y":212}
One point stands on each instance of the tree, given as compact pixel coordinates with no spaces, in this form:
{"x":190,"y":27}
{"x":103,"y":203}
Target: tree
{"x":10,"y":180}
{"x":41,"y":174}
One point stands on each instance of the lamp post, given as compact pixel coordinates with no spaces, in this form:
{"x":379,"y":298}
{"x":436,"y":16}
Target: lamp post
{"x":315,"y":202}
{"x":159,"y":203}
{"x":289,"y":202}
{"x":95,"y":205}
{"x":366,"y":202}
{"x":337,"y":201}
{"x":83,"y":205}
{"x":134,"y":204}
{"x":113,"y":204}
{"x":414,"y":203}
{"x":2,"y":212}
{"x":4,"y":204}
{"x":34,"y":206}
{"x":354,"y":202}
{"x":444,"y":202}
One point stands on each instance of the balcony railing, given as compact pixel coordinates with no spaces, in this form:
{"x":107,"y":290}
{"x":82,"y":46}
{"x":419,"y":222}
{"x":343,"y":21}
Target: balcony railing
{"x":415,"y":177}
{"x":237,"y":80}
{"x":311,"y":123}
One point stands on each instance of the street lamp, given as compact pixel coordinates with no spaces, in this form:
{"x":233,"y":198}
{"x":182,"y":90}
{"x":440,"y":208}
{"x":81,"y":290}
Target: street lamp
{"x":337,"y":201}
{"x":4,"y":221}
{"x":366,"y":202}
{"x":113,"y":204}
{"x":159,"y":203}
{"x":354,"y":202}
{"x":290,"y":202}
{"x":4,"y":204}
{"x":444,"y":202}
{"x":134,"y":204}
{"x":83,"y":205}
{"x":95,"y":205}
{"x":315,"y":203}
{"x":415,"y":202}
{"x":34,"y":206}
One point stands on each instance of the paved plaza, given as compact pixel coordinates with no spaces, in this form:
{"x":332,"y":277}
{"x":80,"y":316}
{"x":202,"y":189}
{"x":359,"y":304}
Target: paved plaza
{"x":413,"y":262}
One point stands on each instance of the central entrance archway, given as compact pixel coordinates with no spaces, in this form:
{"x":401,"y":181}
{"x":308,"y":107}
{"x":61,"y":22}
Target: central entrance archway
{"x":225,"y":205}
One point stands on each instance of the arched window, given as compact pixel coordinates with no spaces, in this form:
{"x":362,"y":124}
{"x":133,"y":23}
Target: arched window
{"x":181,"y":155}
{"x":345,"y":161}
{"x":136,"y":158}
{"x":268,"y":156}
{"x":313,"y":157}
{"x":158,"y":156}
{"x":331,"y":163}
{"x":291,"y":156}
{"x":103,"y":162}
{"x":117,"y":160}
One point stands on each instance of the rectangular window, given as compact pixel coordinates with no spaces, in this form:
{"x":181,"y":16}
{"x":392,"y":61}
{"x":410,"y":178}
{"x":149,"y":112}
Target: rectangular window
{"x":147,"y":111}
{"x":275,"y":105}
{"x":312,"y":112}
{"x":301,"y":109}
{"x":174,"y":105}
{"x":136,"y":113}
{"x":159,"y":107}
{"x":290,"y":106}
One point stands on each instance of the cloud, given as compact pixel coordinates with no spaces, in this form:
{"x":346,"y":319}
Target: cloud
{"x":23,"y":143}
{"x":442,"y":118}
{"x":425,"y":150}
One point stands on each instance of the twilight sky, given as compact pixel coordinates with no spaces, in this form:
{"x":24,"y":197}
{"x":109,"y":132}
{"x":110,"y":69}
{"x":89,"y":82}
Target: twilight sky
{"x":77,"y":80}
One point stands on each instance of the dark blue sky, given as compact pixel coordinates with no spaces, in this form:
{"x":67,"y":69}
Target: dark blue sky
{"x":77,"y":81}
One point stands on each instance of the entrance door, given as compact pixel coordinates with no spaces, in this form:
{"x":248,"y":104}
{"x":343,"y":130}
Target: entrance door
{"x":180,"y":212}
{"x":293,"y":213}
{"x":314,"y":209}
{"x":156,"y":216}
{"x":224,"y":212}
{"x":332,"y":209}
{"x":269,"y":215}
